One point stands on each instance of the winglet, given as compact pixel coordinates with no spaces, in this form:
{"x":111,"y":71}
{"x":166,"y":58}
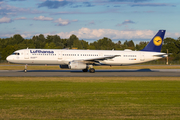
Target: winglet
{"x":156,"y":43}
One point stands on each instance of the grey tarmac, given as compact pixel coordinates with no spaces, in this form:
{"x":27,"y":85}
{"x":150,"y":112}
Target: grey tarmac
{"x":98,"y":73}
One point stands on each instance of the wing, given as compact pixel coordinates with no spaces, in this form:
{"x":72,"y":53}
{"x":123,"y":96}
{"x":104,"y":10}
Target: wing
{"x":96,"y":59}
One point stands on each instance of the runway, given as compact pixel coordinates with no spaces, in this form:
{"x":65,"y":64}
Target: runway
{"x":98,"y":73}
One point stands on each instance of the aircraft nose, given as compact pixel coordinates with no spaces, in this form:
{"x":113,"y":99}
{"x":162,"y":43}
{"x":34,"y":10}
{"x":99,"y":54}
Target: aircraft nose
{"x":9,"y":58}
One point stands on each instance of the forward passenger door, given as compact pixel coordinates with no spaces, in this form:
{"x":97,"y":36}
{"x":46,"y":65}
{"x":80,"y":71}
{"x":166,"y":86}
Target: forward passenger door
{"x":26,"y":54}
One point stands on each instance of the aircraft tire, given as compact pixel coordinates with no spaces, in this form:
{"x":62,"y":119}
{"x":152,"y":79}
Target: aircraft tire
{"x":25,"y":70}
{"x":92,"y":70}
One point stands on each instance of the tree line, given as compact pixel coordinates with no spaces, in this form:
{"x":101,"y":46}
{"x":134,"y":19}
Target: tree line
{"x":9,"y":45}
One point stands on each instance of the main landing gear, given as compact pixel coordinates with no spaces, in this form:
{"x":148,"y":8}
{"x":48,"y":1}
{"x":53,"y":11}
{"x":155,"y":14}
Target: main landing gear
{"x":91,"y":70}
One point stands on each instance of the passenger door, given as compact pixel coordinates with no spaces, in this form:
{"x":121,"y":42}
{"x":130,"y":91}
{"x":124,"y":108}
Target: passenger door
{"x":59,"y":55}
{"x":142,"y":56}
{"x":26,"y":54}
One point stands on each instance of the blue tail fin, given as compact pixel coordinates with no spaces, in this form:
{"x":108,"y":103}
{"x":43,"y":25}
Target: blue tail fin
{"x":156,"y":43}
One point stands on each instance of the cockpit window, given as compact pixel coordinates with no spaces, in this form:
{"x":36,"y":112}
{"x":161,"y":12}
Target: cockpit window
{"x":15,"y":54}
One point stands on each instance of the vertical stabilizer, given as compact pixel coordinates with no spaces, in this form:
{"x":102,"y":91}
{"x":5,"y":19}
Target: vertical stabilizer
{"x":156,"y":43}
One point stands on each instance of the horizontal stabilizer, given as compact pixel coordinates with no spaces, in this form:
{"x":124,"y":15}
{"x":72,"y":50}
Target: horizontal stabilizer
{"x":163,"y":55}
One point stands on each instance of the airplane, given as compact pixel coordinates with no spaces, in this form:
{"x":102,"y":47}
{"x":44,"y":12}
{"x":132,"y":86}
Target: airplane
{"x":85,"y":59}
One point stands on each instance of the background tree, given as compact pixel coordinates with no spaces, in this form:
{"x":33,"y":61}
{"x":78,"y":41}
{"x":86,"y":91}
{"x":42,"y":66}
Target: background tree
{"x":39,"y":41}
{"x":141,"y":45}
{"x":129,"y":45}
{"x":71,"y":40}
{"x":170,"y":44}
{"x":85,"y":44}
{"x":103,"y":44}
{"x":17,"y":38}
{"x":8,"y":50}
{"x":118,"y":46}
{"x":54,"y":39}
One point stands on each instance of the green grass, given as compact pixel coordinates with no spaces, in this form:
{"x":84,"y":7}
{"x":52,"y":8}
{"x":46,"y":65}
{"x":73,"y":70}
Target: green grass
{"x":90,"y":98}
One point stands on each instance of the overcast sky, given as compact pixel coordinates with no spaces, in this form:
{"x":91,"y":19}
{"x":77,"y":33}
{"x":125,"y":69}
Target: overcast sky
{"x":90,"y":19}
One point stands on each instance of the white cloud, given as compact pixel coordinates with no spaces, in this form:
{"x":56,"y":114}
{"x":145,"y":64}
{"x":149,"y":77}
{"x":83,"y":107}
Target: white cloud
{"x":95,"y":34}
{"x":64,"y":22}
{"x":5,"y":20}
{"x":20,"y":18}
{"x":173,"y":35}
{"x":61,"y":22}
{"x":27,"y":35}
{"x":13,"y":10}
{"x":86,"y":33}
{"x":11,"y":34}
{"x":42,"y":18}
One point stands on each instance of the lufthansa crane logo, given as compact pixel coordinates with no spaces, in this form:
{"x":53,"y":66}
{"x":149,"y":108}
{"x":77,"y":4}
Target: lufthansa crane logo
{"x":157,"y":41}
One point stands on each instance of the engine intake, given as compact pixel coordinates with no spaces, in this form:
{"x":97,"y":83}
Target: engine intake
{"x":64,"y":66}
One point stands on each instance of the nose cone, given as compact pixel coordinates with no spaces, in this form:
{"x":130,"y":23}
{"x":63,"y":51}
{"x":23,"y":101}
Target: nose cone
{"x":9,"y":58}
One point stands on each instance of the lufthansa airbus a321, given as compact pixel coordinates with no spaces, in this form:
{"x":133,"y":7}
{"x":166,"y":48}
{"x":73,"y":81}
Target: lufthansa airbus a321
{"x":85,"y":59}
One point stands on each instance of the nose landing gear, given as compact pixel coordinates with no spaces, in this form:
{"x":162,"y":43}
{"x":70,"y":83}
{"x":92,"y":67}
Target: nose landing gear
{"x":25,"y":70}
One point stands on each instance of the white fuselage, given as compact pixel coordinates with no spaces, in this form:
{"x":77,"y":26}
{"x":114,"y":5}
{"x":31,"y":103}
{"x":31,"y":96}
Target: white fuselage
{"x":63,"y":56}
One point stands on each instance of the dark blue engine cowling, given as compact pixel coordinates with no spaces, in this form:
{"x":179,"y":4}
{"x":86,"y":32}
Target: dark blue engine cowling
{"x":64,"y":66}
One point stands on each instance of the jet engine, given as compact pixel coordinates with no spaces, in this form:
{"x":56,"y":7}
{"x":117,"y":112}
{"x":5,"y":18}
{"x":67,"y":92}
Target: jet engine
{"x":77,"y":65}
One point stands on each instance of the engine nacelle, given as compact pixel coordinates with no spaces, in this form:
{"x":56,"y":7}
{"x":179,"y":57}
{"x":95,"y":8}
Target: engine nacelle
{"x":77,"y":65}
{"x":64,"y":66}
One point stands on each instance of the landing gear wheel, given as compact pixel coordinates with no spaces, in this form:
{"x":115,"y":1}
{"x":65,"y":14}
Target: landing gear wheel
{"x":25,"y":70}
{"x":85,"y":70}
{"x":92,"y":70}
